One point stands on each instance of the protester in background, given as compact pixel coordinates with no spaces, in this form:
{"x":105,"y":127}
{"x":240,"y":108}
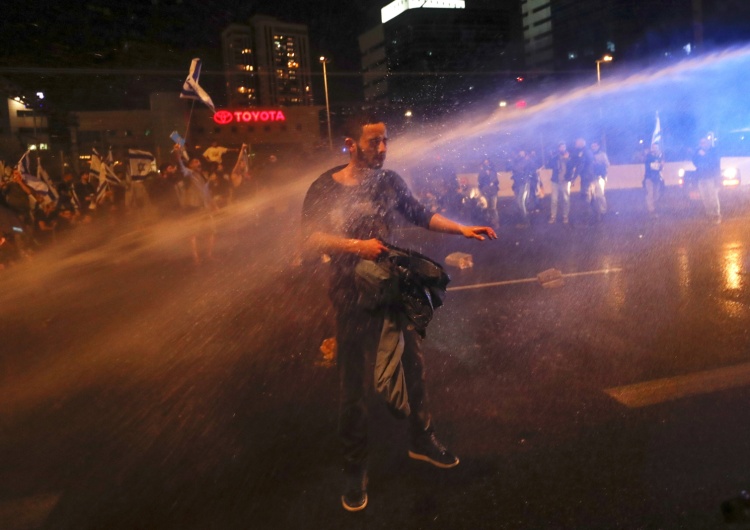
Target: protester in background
{"x":653,"y":182}
{"x":215,"y":153}
{"x":596,"y":189}
{"x":708,"y":173}
{"x":218,"y":187}
{"x":162,"y":192}
{"x":561,"y":181}
{"x":45,"y":222}
{"x":18,"y":197}
{"x":347,"y":215}
{"x":488,"y":187}
{"x":195,"y":201}
{"x":67,"y":191}
{"x":241,"y":178}
{"x":521,"y":173}
{"x":85,"y":191}
{"x":582,"y":166}
{"x":536,"y":188}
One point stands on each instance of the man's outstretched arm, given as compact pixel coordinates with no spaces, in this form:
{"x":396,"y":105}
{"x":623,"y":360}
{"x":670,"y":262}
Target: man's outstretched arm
{"x":438,"y":223}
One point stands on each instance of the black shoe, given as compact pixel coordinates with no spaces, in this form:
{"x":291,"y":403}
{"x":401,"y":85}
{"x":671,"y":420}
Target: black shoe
{"x":354,"y":498}
{"x":427,"y":447}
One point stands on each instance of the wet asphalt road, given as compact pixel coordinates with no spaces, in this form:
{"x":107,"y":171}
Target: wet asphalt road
{"x":139,"y":392}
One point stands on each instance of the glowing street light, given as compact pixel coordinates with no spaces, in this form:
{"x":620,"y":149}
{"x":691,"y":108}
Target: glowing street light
{"x":605,"y":59}
{"x":325,"y":61}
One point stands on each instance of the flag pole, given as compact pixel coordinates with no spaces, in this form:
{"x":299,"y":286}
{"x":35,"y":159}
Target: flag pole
{"x":190,"y":117}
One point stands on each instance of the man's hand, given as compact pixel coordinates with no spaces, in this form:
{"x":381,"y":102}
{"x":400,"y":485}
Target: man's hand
{"x":370,"y":249}
{"x":476,"y":232}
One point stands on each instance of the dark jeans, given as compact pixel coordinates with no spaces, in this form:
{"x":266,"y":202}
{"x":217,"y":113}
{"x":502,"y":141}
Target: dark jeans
{"x":357,"y":335}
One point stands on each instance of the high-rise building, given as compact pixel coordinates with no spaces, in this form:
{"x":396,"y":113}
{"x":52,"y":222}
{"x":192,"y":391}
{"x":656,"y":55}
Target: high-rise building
{"x":239,"y":66}
{"x":437,"y":51}
{"x":267,"y":62}
{"x":564,"y":34}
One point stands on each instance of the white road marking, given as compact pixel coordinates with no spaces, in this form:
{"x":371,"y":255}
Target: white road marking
{"x":529,"y":280}
{"x":682,"y":386}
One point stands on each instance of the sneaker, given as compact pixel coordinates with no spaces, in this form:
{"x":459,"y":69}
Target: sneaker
{"x":565,"y":220}
{"x":354,"y":498}
{"x":427,"y":447}
{"x":551,"y":220}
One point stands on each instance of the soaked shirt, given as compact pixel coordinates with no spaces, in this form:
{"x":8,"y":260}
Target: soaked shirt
{"x":364,"y":211}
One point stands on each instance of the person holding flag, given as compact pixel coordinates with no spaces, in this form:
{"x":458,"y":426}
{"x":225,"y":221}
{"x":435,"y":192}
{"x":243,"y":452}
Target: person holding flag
{"x":195,"y":200}
{"x":241,"y":176}
{"x":18,"y":196}
{"x":653,"y":182}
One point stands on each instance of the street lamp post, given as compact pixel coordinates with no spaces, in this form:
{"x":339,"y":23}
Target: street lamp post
{"x":605,"y":59}
{"x":324,"y":61}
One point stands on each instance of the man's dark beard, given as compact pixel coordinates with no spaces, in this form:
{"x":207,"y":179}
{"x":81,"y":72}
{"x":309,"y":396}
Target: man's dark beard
{"x":376,"y":160}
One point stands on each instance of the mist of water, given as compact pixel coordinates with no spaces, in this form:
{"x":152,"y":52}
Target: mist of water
{"x":97,"y":266}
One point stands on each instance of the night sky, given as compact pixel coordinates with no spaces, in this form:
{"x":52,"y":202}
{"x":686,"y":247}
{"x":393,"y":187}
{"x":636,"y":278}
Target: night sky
{"x":161,"y":35}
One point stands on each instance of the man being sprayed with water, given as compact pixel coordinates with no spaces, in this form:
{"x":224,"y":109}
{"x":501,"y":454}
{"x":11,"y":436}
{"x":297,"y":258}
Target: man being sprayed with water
{"x":347,"y":215}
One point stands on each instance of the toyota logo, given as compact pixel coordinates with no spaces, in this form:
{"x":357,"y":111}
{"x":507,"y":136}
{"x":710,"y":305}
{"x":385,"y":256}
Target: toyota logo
{"x":222,"y":117}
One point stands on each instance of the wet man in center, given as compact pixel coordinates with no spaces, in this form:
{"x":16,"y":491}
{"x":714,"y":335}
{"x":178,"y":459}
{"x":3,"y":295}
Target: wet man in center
{"x":347,"y":215}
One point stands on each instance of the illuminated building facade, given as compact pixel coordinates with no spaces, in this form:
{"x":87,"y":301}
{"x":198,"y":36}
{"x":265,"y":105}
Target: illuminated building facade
{"x":239,"y":66}
{"x":267,"y":63}
{"x":437,"y":51}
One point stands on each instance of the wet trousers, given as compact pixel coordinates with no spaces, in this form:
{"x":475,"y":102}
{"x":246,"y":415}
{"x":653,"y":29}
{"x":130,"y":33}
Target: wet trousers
{"x":490,"y":195}
{"x":521,"y":192}
{"x":358,"y":333}
{"x":594,"y":191}
{"x":560,"y":190}
{"x":710,"y":196}
{"x":653,"y":193}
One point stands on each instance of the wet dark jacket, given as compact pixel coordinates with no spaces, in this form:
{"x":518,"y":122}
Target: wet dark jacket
{"x":582,"y":165}
{"x":653,"y":166}
{"x":560,"y":168}
{"x":707,"y":165}
{"x":407,"y":287}
{"x":487,"y":180}
{"x":522,"y":171}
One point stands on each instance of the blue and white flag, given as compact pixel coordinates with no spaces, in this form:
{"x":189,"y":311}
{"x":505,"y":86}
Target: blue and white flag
{"x":24,"y":167}
{"x":42,"y":175}
{"x":102,"y":170}
{"x":140,"y":164}
{"x":192,"y":90}
{"x":656,"y":136}
{"x":242,"y":167}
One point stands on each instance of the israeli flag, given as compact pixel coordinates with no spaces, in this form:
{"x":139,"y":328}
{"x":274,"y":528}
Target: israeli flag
{"x":43,"y":176}
{"x":192,"y":90}
{"x":24,"y":167}
{"x":102,"y":167}
{"x":140,"y":164}
{"x":656,"y":137}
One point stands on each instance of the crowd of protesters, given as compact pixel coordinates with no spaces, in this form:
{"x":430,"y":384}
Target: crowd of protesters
{"x":31,"y":220}
{"x":584,"y":162}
